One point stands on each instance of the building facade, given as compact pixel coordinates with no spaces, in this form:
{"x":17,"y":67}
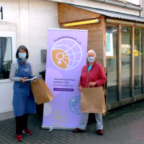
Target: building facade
{"x":25,"y":22}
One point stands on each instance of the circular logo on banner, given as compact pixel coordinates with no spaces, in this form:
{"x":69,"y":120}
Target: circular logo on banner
{"x":75,"y":105}
{"x":66,"y":54}
{"x":58,"y":118}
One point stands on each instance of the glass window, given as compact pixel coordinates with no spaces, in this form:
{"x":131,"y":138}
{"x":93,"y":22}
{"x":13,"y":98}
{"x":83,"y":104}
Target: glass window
{"x":5,"y":56}
{"x":112,"y":63}
{"x":138,"y":52}
{"x":126,"y":47}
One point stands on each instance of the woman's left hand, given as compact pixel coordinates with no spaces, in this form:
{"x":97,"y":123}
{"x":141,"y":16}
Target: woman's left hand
{"x":92,"y":83}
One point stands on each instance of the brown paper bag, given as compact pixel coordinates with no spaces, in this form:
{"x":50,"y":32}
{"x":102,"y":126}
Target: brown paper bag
{"x":41,"y":92}
{"x":92,"y":100}
{"x":104,"y":108}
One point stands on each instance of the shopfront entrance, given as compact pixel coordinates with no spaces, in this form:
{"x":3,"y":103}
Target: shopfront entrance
{"x":124,"y":60}
{"x":117,"y":39}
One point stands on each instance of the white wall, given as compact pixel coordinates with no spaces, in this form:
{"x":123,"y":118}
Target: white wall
{"x":6,"y":97}
{"x":100,"y":5}
{"x":142,"y":4}
{"x":134,"y":1}
{"x":42,"y":15}
{"x":30,"y":19}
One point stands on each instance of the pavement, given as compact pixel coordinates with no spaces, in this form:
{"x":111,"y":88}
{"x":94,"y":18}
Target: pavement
{"x":124,"y":125}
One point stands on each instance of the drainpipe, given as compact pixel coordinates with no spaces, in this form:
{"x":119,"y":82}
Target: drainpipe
{"x":120,"y":4}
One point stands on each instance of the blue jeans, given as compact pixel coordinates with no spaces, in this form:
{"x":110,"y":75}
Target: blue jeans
{"x":84,"y":121}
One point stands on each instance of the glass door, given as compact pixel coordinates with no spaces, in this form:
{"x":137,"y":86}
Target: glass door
{"x":138,"y":53}
{"x":112,"y":63}
{"x":126,"y":59}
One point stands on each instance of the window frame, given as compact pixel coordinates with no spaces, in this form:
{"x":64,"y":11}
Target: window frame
{"x":12,"y":35}
{"x":133,"y":27}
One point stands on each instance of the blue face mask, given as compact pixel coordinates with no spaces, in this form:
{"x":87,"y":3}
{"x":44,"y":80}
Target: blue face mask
{"x":22,"y":55}
{"x":91,"y":59}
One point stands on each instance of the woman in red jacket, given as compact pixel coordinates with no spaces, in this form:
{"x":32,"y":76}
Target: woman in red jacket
{"x":92,"y":75}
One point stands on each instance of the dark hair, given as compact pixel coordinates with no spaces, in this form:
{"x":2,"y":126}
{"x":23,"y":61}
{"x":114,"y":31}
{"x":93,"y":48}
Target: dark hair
{"x":23,"y":48}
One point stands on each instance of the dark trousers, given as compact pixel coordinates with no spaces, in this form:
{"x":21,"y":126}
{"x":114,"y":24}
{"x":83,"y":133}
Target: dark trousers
{"x":21,"y":123}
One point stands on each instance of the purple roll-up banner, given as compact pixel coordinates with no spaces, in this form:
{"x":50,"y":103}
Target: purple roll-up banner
{"x":66,"y":55}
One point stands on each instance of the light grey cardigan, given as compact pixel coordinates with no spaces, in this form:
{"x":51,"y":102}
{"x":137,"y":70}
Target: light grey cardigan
{"x":14,"y":69}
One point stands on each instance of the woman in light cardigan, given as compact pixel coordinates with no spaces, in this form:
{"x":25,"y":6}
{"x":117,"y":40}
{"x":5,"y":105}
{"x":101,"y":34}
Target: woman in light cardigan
{"x":23,"y":100}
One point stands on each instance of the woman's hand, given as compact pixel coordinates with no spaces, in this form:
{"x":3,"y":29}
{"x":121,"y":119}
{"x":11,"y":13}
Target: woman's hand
{"x":80,"y":88}
{"x":92,"y":83}
{"x":23,"y":80}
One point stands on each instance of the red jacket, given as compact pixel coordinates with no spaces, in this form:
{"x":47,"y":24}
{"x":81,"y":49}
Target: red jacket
{"x":96,"y":74}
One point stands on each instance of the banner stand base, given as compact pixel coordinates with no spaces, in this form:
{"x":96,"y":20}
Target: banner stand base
{"x":58,"y":128}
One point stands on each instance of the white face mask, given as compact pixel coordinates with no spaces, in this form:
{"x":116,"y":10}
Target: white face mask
{"x":22,"y":55}
{"x":91,"y":59}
